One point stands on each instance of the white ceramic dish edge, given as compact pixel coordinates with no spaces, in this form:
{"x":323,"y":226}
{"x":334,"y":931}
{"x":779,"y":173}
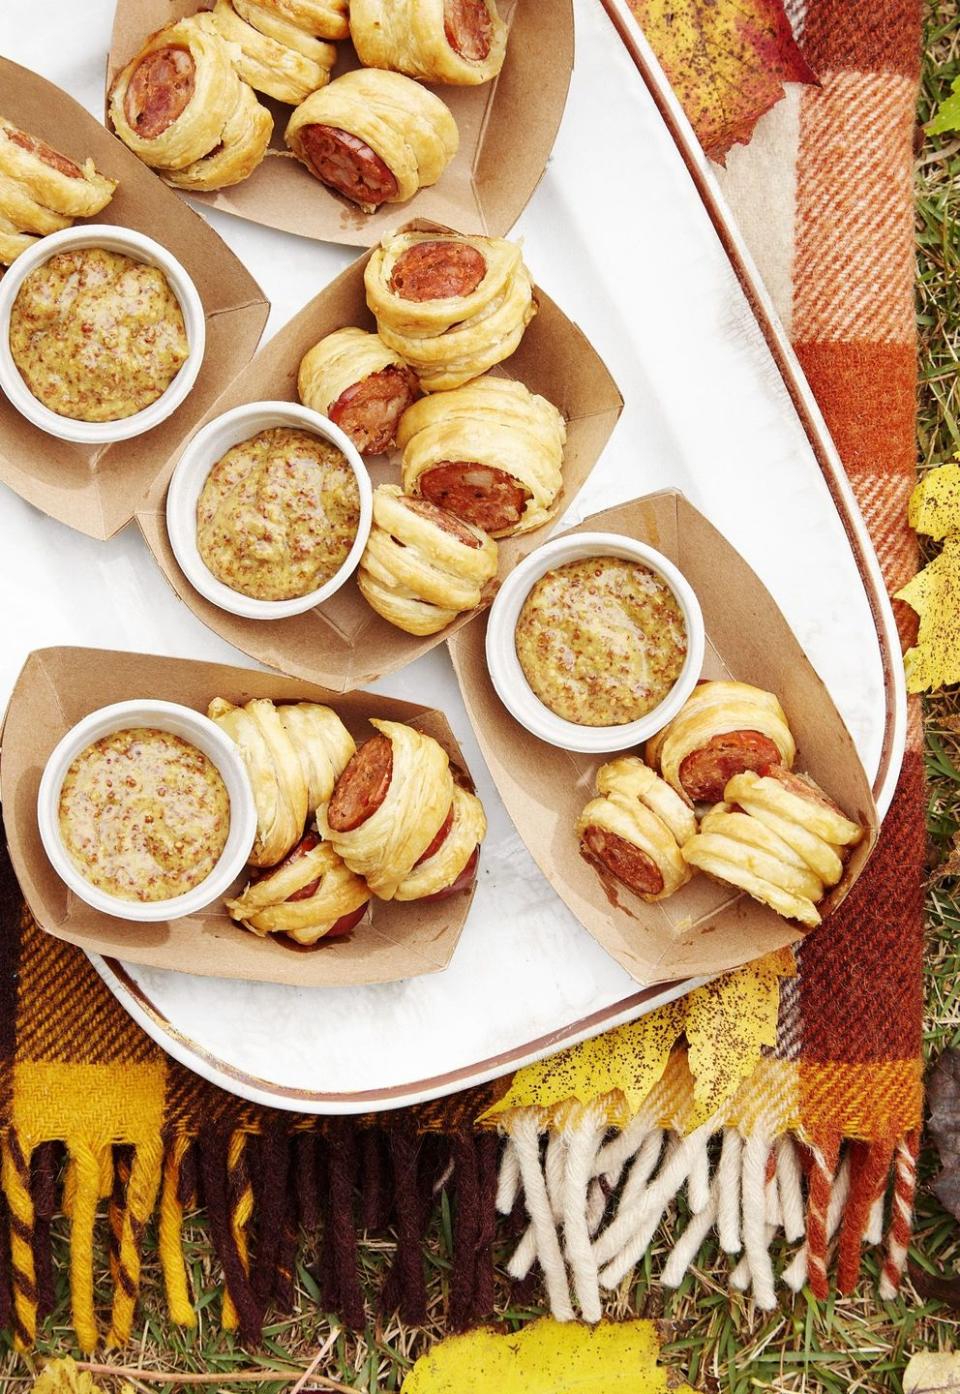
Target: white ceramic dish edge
{"x":140,"y":248}
{"x":506,"y":671}
{"x":189,"y":726}
{"x":190,"y":475}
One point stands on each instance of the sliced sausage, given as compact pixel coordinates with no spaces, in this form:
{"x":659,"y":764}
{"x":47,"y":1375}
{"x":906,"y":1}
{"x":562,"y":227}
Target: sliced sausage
{"x":462,"y":883}
{"x":468,"y":28}
{"x":347,"y":164}
{"x":442,"y":834}
{"x":622,"y":859}
{"x":488,"y":497}
{"x":444,"y":519}
{"x":46,"y":153}
{"x":346,"y":923}
{"x":797,"y":784}
{"x":437,"y":271}
{"x":371,"y":409}
{"x":159,"y":90}
{"x":705,"y":772}
{"x":362,"y":787}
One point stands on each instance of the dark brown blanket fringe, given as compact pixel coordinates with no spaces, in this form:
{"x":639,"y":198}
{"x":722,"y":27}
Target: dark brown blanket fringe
{"x":213,"y":1168}
{"x":341,"y":1280}
{"x":466,"y":1230}
{"x":306,"y":1180}
{"x":270,"y":1192}
{"x":45,"y":1168}
{"x":404,"y":1289}
{"x":6,"y":1267}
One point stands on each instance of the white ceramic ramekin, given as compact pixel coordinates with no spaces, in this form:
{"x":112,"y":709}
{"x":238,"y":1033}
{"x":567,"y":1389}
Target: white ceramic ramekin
{"x":139,"y":248}
{"x":190,"y":726}
{"x":208,"y":446}
{"x":508,"y":676}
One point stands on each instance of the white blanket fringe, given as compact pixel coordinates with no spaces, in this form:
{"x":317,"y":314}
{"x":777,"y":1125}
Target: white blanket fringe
{"x":751,"y":1194}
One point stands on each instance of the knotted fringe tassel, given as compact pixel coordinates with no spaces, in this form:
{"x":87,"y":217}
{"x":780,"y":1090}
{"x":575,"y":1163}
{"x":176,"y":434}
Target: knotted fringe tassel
{"x":595,"y":1199}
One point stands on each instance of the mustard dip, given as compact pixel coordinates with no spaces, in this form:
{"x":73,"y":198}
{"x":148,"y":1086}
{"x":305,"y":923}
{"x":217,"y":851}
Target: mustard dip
{"x":278,"y":514}
{"x":144,"y":815}
{"x":601,"y":641}
{"x":97,"y":336}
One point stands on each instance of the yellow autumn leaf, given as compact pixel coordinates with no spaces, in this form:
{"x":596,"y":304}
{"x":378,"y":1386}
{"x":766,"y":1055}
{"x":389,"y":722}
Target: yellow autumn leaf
{"x":728,"y":1022}
{"x":935,"y":595}
{"x":932,"y":1372}
{"x":934,"y":507}
{"x":547,"y":1357}
{"x":63,"y":1377}
{"x":620,"y":1067}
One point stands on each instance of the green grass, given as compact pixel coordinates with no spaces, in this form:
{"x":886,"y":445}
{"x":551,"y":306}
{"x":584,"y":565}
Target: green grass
{"x":712,"y":1337}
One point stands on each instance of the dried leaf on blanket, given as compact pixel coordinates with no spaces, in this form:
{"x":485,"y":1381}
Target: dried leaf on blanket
{"x":727,"y":1023}
{"x":547,"y":1357}
{"x":727,"y":62}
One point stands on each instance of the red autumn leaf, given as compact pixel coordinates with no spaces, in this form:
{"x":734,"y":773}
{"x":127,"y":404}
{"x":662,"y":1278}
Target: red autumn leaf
{"x":727,"y":61}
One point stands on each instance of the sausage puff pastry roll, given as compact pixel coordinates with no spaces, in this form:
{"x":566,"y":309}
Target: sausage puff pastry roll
{"x":636,"y":828}
{"x":20,"y":208}
{"x":452,"y":306}
{"x":324,"y":19}
{"x":800,"y":814}
{"x":450,"y":862}
{"x":268,"y":63}
{"x":457,"y":41}
{"x":50,"y":178}
{"x":309,"y":896}
{"x":293,"y":756}
{"x":171,"y":103}
{"x":374,"y":137}
{"x":422,"y":566}
{"x":363,"y":386}
{"x":243,"y":145}
{"x":491,"y":452}
{"x":389,"y":805}
{"x":722,"y":729}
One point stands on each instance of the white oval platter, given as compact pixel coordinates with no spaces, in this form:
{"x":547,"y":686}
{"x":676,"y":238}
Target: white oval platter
{"x":629,"y":233}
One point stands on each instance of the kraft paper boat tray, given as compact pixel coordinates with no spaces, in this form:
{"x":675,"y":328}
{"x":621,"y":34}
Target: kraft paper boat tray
{"x":705,"y":928}
{"x":507,"y":129}
{"x":59,"y":686}
{"x":344,"y":644}
{"x":96,"y":489}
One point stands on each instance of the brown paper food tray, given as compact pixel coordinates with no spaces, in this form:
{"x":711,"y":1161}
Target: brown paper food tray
{"x":344,"y":643}
{"x":704,"y":928}
{"x":59,"y":686}
{"x":507,"y":129}
{"x":96,"y":489}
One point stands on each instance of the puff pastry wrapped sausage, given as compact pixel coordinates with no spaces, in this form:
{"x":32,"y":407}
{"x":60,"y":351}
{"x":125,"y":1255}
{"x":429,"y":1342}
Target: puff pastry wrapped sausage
{"x":452,"y":306}
{"x":243,"y":144}
{"x":288,"y":68}
{"x":491,"y":452}
{"x":777,"y":837}
{"x":363,"y":386}
{"x":722,"y":729}
{"x":635,"y":829}
{"x":450,"y":862}
{"x":456,"y":41}
{"x":325,"y":19}
{"x":311,"y":895}
{"x":375,"y":137}
{"x":42,"y":191}
{"x":294,"y":755}
{"x":171,"y":102}
{"x":422,"y":566}
{"x":389,"y":805}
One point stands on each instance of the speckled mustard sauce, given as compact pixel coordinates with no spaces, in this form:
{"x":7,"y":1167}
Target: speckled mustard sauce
{"x":278,"y":514}
{"x":601,"y":641}
{"x":96,"y":335}
{"x":144,"y":815}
